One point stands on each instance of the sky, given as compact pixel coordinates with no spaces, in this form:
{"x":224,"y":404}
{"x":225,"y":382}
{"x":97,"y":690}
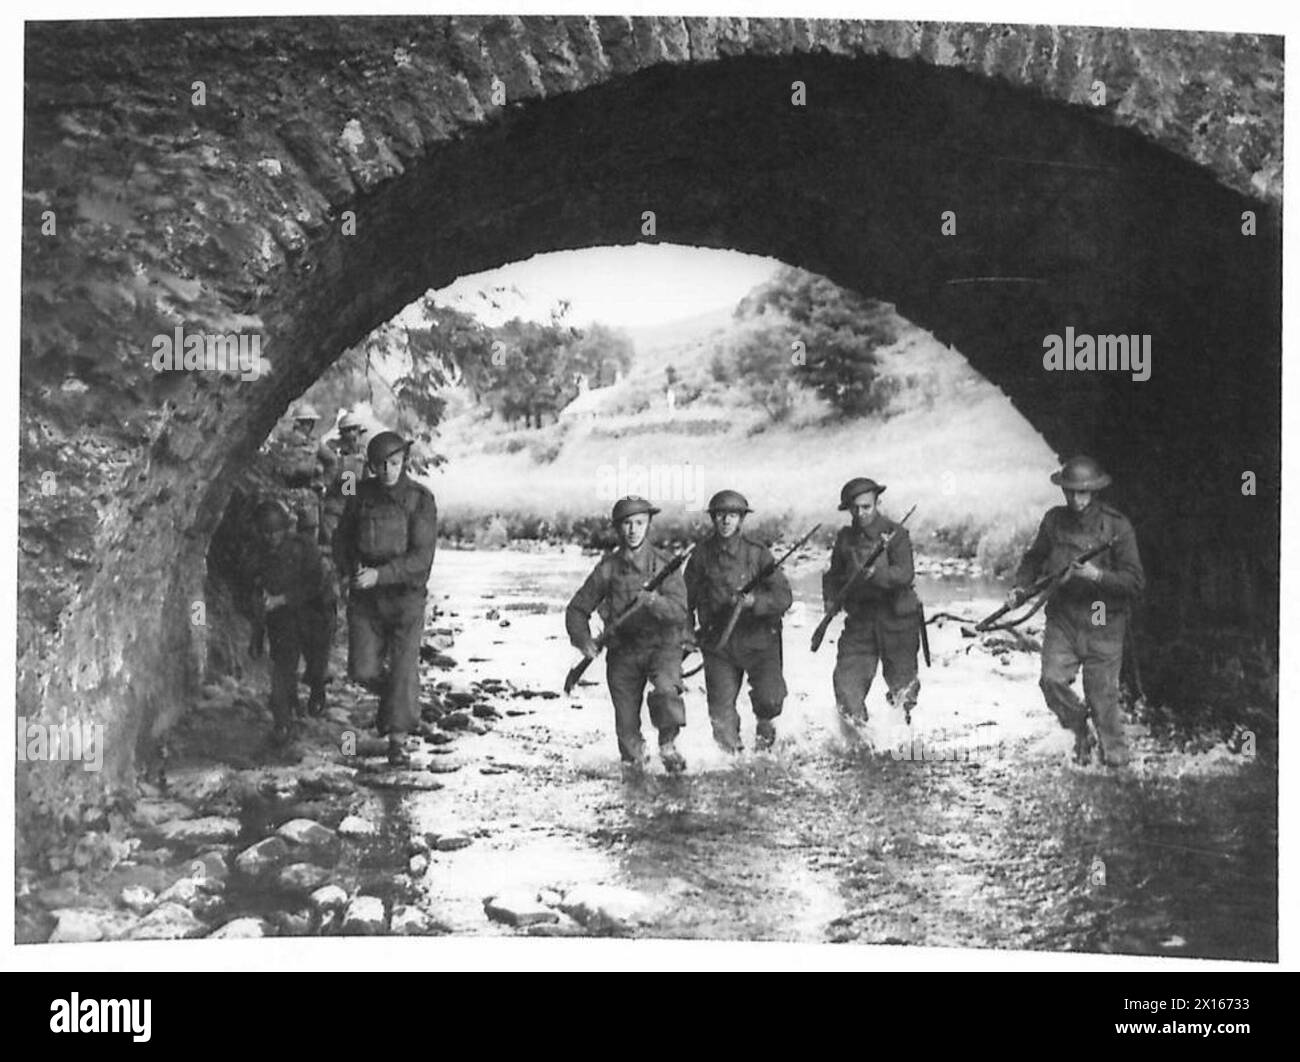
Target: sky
{"x":629,"y":287}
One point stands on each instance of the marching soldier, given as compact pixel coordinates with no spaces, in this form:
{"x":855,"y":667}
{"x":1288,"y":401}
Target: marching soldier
{"x":648,"y":646}
{"x":384,"y":545}
{"x":722,"y":564}
{"x":1088,"y":614}
{"x":349,"y":471}
{"x":295,"y":609}
{"x":304,"y":464}
{"x":882,"y":622}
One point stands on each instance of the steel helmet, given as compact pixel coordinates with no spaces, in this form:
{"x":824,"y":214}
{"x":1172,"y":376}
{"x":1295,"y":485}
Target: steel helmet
{"x":350,"y":420}
{"x":1081,"y":473}
{"x":861,"y":485}
{"x":305,"y":411}
{"x":729,"y":501}
{"x":383,"y":446}
{"x":630,"y":506}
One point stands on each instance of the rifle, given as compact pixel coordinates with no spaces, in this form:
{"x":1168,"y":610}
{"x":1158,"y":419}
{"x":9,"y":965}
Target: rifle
{"x":651,"y":584}
{"x":1047,"y":583}
{"x":764,"y":572}
{"x":840,"y":598}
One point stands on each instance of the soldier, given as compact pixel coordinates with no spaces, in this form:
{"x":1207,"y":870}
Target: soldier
{"x":882,"y":621}
{"x":1087,"y":615}
{"x":384,"y":544}
{"x":648,"y":647}
{"x":349,"y":471}
{"x":722,"y":564}
{"x":305,"y":465}
{"x":294,"y":605}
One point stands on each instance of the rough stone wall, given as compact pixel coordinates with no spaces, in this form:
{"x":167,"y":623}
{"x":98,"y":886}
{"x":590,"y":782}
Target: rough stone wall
{"x":230,"y":217}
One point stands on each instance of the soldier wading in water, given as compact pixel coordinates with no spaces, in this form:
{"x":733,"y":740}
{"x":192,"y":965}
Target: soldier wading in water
{"x":882,"y":623}
{"x":1087,"y":615}
{"x":648,"y":646}
{"x":383,"y":547}
{"x":724,"y":562}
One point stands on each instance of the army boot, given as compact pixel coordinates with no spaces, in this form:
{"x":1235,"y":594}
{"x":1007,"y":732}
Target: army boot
{"x":764,"y":735}
{"x":674,"y":762}
{"x":1084,"y":743}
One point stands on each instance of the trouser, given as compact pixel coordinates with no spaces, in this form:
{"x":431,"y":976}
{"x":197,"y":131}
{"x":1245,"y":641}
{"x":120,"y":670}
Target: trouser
{"x":723,"y":672}
{"x":628,"y":669}
{"x":872,"y":638}
{"x":303,"y":633}
{"x":385,"y":626}
{"x":1070,"y":642}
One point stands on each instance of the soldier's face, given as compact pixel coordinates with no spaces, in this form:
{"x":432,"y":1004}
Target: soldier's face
{"x":273,"y":535}
{"x":1077,"y":500}
{"x":350,"y":438}
{"x":727,"y":524}
{"x":304,"y":427}
{"x":633,"y":529}
{"x":391,"y":470}
{"x":863,"y":508}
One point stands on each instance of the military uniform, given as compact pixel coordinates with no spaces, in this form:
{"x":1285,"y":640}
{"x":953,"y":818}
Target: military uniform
{"x":882,"y":621}
{"x":303,"y":627}
{"x":304,"y":465}
{"x":1073,"y":635}
{"x":648,"y":648}
{"x":350,"y":469}
{"x":717,"y":569}
{"x":393,"y":530}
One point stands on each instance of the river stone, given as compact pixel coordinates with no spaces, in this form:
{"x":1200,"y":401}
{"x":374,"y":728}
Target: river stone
{"x":437,"y":737}
{"x":518,"y":909}
{"x":302,"y":877}
{"x":450,"y":842}
{"x":194,"y":785}
{"x":242,"y":929}
{"x":293,"y":923}
{"x":443,"y":766}
{"x":364,"y":917}
{"x":168,"y":921}
{"x":328,"y":898}
{"x":564,"y":926}
{"x":459,"y":720}
{"x":138,"y":898}
{"x":77,"y":925}
{"x":411,"y":921}
{"x":267,"y":854}
{"x":154,"y":812}
{"x":417,"y":865}
{"x":400,"y":779}
{"x":210,"y":864}
{"x":199,"y":831}
{"x":607,"y":908}
{"x":327,"y":779}
{"x":356,"y":826}
{"x":192,"y":892}
{"x":304,"y":833}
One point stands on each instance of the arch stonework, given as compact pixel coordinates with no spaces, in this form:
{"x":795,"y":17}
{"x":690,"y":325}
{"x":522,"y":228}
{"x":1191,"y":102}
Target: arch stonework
{"x":229,"y":215}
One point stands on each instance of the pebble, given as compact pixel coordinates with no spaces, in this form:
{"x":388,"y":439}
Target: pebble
{"x":293,"y":923}
{"x":455,"y":721}
{"x":417,"y":865}
{"x":168,"y":921}
{"x":411,"y":921}
{"x":305,"y":833}
{"x":364,"y":917}
{"x":154,"y":812}
{"x":259,"y":858}
{"x":607,"y":908}
{"x":78,"y":925}
{"x":302,"y":877}
{"x":356,"y":826}
{"x":199,"y":831}
{"x":440,"y":766}
{"x":242,"y":929}
{"x":328,"y":898}
{"x":450,"y":842}
{"x":518,"y":909}
{"x":191,"y":892}
{"x":139,"y":899}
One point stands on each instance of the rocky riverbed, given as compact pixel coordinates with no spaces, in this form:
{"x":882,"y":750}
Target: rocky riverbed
{"x":967,"y":829}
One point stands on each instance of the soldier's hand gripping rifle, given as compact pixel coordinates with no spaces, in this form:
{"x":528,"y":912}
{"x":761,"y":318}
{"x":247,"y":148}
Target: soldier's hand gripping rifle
{"x":842,"y":596}
{"x":763,"y":573}
{"x":649,"y":586}
{"x":1045,"y":585}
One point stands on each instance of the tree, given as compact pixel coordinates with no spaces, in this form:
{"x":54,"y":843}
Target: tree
{"x":840,"y":331}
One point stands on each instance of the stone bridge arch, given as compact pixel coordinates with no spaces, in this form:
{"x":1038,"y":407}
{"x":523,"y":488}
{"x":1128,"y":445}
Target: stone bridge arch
{"x":304,"y":180}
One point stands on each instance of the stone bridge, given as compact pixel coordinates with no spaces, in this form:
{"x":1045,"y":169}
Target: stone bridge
{"x":303,"y":180}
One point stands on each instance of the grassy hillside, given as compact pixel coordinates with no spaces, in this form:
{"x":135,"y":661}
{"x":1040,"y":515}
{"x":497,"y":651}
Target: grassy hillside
{"x":951,"y":443}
